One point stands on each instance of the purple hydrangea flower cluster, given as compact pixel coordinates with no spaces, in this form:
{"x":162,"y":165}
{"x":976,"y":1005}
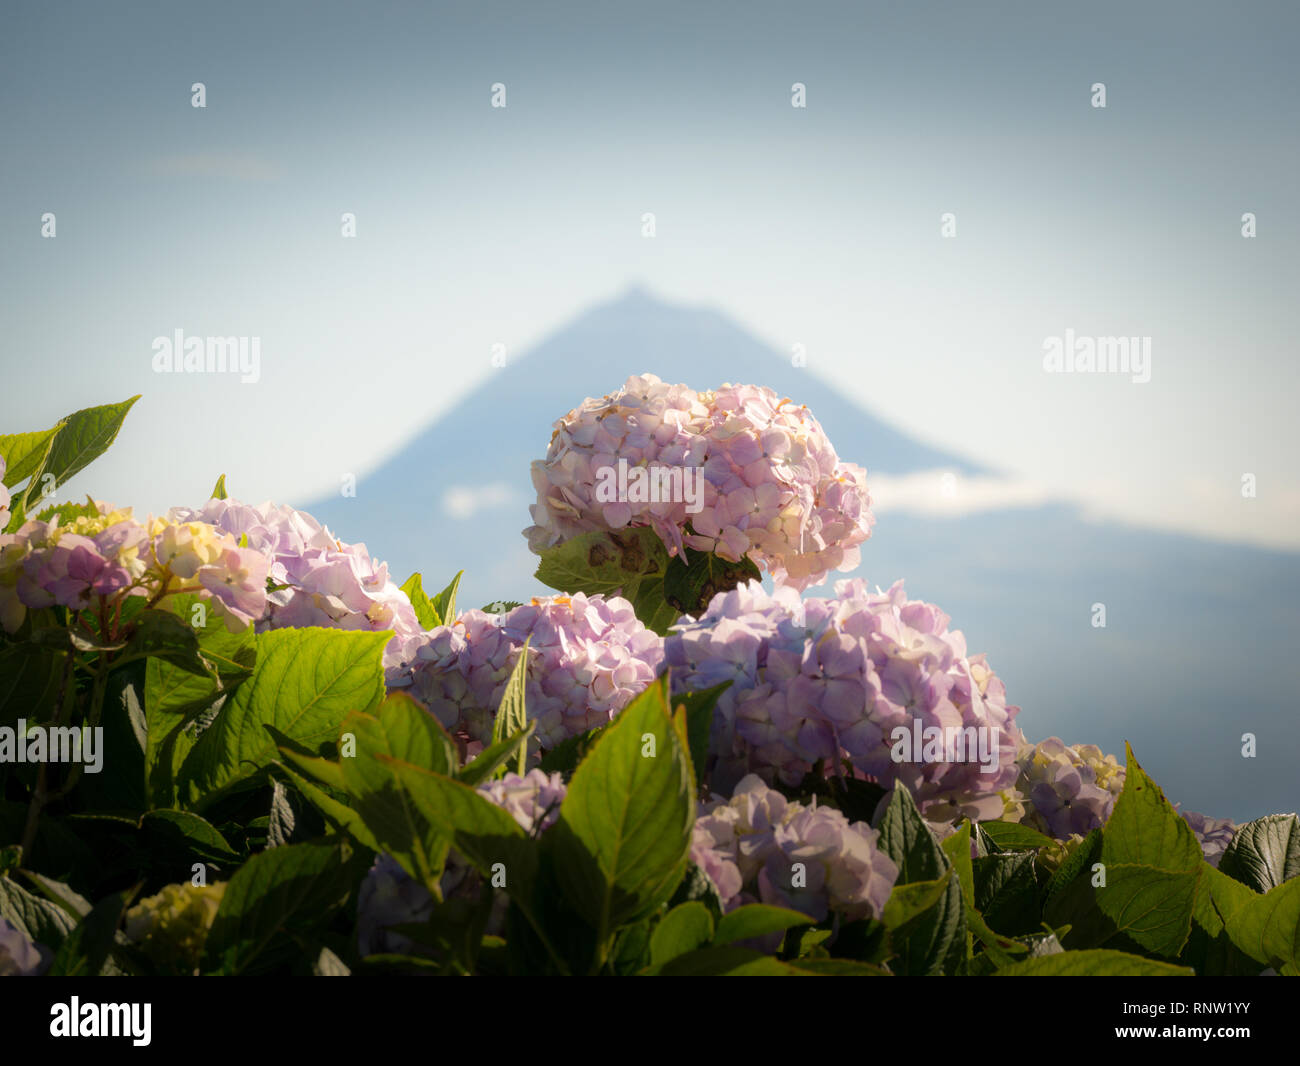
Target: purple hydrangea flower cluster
{"x":1213,"y":834}
{"x":325,"y":582}
{"x":770,"y":486}
{"x":1068,"y":789}
{"x":20,"y":956}
{"x":111,"y":555}
{"x":847,"y":679}
{"x":390,"y":896}
{"x":758,"y":845}
{"x":588,"y":656}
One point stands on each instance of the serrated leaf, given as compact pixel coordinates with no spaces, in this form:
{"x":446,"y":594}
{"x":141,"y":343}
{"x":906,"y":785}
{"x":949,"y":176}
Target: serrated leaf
{"x":1264,"y":853}
{"x":689,"y":585}
{"x":729,"y":961}
{"x":700,"y":706}
{"x":497,"y":755}
{"x":1011,"y":836}
{"x":219,"y":489}
{"x":1143,"y":904}
{"x":305,"y":682}
{"x":1145,"y":829}
{"x":631,"y":562}
{"x":187,"y":833}
{"x":1267,"y":927}
{"x":755,"y":920}
{"x":1099,"y":962}
{"x":625,"y":825}
{"x":400,"y":729}
{"x":24,"y":453}
{"x":83,"y":437}
{"x":276,"y":895}
{"x":44,"y":921}
{"x":445,"y":602}
{"x":85,"y":949}
{"x":512,"y":714}
{"x":686,"y":927}
{"x":425,"y":611}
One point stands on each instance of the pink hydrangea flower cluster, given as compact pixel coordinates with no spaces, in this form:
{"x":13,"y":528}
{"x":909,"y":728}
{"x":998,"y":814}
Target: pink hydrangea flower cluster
{"x":588,"y":656}
{"x":771,"y":486}
{"x":110,"y":555}
{"x":838,"y":680}
{"x":390,"y":896}
{"x":1068,"y":789}
{"x":325,"y":582}
{"x":760,"y":846}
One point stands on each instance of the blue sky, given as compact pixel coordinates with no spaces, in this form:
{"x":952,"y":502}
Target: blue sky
{"x":818,"y":226}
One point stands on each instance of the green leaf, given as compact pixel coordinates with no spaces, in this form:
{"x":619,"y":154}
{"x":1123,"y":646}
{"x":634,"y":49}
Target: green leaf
{"x":175,"y":697}
{"x":1011,"y":836}
{"x":399,"y":729}
{"x":1209,"y":949}
{"x":1265,"y":852}
{"x":935,"y":942}
{"x":29,"y":682}
{"x":512,"y":715}
{"x":566,"y":755}
{"x":729,"y":961}
{"x":838,"y":968}
{"x":1096,"y":963}
{"x":42,"y":920}
{"x":624,"y":830}
{"x":83,"y":437}
{"x":24,"y":453}
{"x":699,"y":707}
{"x":1144,"y":829}
{"x":684,"y":928}
{"x":487,"y":836}
{"x":1006,"y":892}
{"x":756,"y":920}
{"x":188,"y":834}
{"x":1267,"y":927}
{"x":486,"y":763}
{"x":631,"y":562}
{"x":1081,"y":859}
{"x":1148,"y":906}
{"x":445,"y":602}
{"x":304,"y":684}
{"x":59,"y":893}
{"x":277,"y":895}
{"x":689,"y":586}
{"x":219,"y":489}
{"x":908,"y":903}
{"x":906,"y":839}
{"x":85,"y":949}
{"x":425,"y":611}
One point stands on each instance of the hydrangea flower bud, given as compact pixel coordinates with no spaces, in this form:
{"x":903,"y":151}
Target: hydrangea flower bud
{"x":173,"y":925}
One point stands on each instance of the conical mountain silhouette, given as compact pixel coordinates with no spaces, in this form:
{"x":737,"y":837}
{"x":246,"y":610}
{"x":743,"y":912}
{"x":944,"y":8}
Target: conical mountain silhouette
{"x":1185,"y":663}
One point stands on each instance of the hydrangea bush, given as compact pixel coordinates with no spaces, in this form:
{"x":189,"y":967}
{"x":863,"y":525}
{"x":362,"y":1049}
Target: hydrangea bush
{"x":246,"y":749}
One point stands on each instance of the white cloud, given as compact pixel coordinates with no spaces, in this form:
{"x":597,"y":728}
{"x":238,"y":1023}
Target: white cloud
{"x":464,"y":501}
{"x":945,"y":492}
